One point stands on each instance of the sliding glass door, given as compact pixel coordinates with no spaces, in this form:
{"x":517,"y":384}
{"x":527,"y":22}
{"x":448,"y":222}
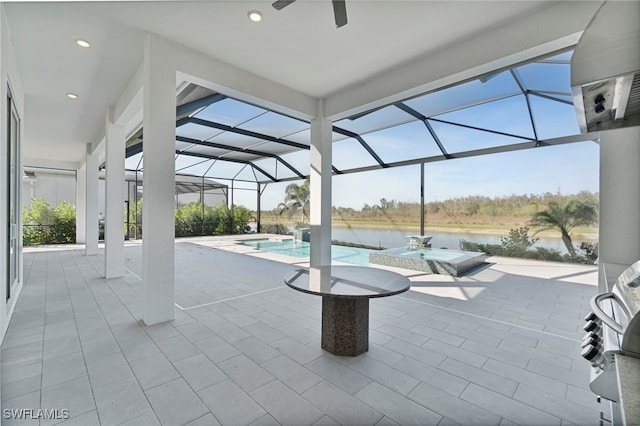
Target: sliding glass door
{"x":13,"y":188}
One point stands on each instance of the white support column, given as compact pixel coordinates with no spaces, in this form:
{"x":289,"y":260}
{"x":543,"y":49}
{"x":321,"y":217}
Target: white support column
{"x":422,"y":210}
{"x":320,"y":197}
{"x":91,"y":208}
{"x":81,"y":204}
{"x":619,"y":196}
{"x":114,"y":200}
{"x":158,"y":217}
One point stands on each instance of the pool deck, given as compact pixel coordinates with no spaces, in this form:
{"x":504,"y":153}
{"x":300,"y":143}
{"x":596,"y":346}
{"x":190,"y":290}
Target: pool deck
{"x":499,"y":346}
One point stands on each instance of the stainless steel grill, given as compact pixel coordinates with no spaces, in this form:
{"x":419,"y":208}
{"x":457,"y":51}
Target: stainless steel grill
{"x":613,"y":327}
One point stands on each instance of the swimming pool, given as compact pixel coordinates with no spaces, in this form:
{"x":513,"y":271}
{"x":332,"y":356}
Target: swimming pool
{"x":290,"y":247}
{"x":435,"y":261}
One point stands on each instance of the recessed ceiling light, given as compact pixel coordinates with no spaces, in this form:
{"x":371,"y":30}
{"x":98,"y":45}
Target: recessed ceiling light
{"x":72,"y":96}
{"x":254,"y":15}
{"x":82,"y":43}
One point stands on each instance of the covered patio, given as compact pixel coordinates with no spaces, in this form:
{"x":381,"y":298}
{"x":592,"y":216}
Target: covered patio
{"x":202,"y":331}
{"x":499,"y":346}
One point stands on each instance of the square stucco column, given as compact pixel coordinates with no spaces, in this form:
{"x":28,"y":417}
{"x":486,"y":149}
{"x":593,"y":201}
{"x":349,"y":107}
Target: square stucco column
{"x":158,"y":217}
{"x":619,"y":196}
{"x":320,"y":197}
{"x":81,"y":203}
{"x":114,"y":201}
{"x":91,"y":207}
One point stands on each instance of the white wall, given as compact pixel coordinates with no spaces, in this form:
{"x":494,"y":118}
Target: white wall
{"x":53,"y":187}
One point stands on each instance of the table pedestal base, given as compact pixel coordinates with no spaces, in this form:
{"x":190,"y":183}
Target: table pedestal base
{"x":345,"y":325}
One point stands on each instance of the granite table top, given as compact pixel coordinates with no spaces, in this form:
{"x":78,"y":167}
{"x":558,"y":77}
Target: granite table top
{"x":347,"y":281}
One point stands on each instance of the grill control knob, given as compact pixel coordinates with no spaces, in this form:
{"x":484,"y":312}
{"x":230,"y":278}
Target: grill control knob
{"x":591,"y":335}
{"x":590,"y":317}
{"x":589,"y":341}
{"x":590,"y":326}
{"x":589,"y":352}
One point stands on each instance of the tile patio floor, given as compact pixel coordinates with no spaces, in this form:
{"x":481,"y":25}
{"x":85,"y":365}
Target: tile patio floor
{"x":499,"y":346}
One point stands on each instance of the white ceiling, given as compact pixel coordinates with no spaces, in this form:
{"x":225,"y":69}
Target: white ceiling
{"x":298,"y":47}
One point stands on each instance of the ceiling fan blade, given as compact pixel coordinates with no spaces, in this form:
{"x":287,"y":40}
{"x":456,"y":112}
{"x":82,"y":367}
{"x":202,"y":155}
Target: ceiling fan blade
{"x":281,"y":4}
{"x":340,"y":12}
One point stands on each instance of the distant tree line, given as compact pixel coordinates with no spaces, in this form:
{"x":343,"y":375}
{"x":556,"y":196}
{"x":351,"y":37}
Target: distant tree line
{"x":512,"y":209}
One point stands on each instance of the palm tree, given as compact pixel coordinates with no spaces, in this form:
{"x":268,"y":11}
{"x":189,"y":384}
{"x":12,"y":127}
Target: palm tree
{"x":565,"y":217}
{"x":296,"y":199}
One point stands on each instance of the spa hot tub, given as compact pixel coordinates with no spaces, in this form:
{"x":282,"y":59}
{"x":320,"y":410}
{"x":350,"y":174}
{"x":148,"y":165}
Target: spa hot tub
{"x":431,"y":260}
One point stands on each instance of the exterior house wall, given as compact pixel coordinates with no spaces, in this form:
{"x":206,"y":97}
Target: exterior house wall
{"x":9,"y":77}
{"x":619,"y":201}
{"x":53,"y":187}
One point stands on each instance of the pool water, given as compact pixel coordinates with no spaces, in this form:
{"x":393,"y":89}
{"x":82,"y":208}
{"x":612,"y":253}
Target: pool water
{"x":351,"y":255}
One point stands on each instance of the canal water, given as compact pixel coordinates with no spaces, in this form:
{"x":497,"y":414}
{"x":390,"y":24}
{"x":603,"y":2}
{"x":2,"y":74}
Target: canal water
{"x":396,"y":238}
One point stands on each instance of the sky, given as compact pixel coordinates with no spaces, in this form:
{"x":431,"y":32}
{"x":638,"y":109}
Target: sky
{"x":567,"y":169}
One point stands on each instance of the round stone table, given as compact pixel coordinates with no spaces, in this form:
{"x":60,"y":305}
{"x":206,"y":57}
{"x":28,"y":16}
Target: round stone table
{"x":345,"y":292}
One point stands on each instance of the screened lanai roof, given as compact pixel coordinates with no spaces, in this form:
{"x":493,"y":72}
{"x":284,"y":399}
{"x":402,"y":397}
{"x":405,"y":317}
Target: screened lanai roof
{"x":527,"y":106}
